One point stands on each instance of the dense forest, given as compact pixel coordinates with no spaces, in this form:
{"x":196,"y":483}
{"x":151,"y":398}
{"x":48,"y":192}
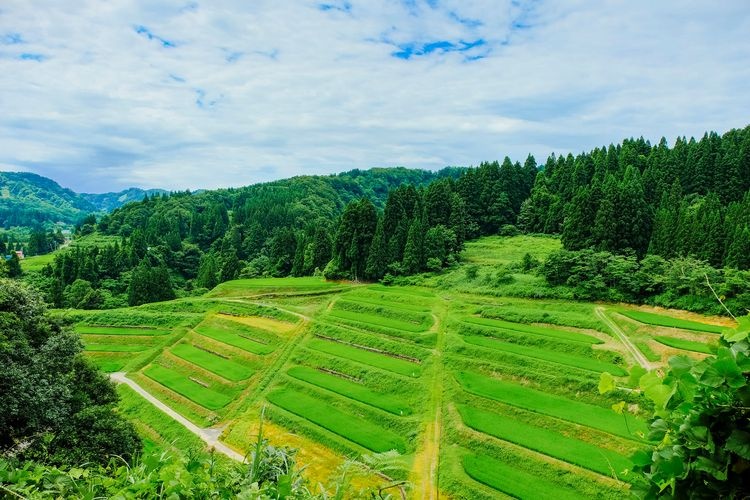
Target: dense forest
{"x":647,"y":206}
{"x":30,"y":200}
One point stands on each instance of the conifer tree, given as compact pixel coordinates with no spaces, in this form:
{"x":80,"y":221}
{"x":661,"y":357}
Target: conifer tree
{"x":377,"y":259}
{"x":414,"y":250}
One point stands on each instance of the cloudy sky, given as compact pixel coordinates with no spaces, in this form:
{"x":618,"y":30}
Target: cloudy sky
{"x":100,"y":95}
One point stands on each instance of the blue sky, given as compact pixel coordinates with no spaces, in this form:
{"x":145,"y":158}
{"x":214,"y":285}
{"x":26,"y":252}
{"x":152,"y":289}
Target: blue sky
{"x":104,"y":95}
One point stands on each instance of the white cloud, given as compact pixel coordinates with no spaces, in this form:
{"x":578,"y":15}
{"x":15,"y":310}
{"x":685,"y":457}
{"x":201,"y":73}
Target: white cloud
{"x":258,"y":90}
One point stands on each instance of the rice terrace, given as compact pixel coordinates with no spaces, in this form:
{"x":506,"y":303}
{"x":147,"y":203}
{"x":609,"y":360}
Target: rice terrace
{"x":466,"y":390}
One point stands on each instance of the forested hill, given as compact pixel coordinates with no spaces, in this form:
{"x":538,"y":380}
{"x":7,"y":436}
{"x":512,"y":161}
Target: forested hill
{"x":109,"y":201}
{"x":627,"y":201}
{"x":688,"y":199}
{"x":29,"y":200}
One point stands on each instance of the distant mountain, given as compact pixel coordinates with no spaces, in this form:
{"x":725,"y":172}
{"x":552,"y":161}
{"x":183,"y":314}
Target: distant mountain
{"x":109,"y":201}
{"x":28,"y":199}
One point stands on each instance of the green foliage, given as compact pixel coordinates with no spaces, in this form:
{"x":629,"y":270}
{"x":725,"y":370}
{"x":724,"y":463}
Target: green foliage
{"x":685,"y":345}
{"x":181,"y":384}
{"x":661,"y":320}
{"x":358,"y":430}
{"x":560,"y":358}
{"x":700,"y":424}
{"x":586,"y":414}
{"x":378,"y":360}
{"x":56,"y":406}
{"x":505,"y":478}
{"x":545,"y":441}
{"x":350,"y":389}
{"x":230,"y":370}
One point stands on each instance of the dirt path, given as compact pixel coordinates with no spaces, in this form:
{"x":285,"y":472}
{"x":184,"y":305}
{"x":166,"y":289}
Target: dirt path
{"x":209,"y":436}
{"x":634,"y":351}
{"x":427,"y":458}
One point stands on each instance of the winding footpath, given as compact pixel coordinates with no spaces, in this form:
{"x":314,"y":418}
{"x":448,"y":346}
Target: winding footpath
{"x":209,"y":436}
{"x":634,"y":351}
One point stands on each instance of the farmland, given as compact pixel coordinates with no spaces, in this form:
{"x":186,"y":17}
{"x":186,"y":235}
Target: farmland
{"x":481,"y":395}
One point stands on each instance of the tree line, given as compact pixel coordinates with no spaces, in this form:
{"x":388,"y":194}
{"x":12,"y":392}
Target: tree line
{"x":689,"y":200}
{"x":636,"y":199}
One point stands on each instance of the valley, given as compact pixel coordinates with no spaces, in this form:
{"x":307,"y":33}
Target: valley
{"x":480,"y":394}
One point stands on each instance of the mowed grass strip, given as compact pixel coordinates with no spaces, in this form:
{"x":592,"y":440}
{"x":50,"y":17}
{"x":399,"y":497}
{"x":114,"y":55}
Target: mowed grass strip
{"x":234,"y":338}
{"x":382,"y":361}
{"x":119,"y":330}
{"x":561,"y":358}
{"x":514,"y":482}
{"x":545,"y":441}
{"x":660,"y":320}
{"x":597,"y":417}
{"x":116,"y":347}
{"x":174,"y":381}
{"x":372,"y":319}
{"x":355,"y":429}
{"x":685,"y":345}
{"x":534,"y":330}
{"x":230,"y":370}
{"x":349,"y":389}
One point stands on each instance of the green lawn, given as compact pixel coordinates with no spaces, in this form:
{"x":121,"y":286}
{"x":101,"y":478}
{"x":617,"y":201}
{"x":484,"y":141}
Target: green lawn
{"x":385,"y":321}
{"x":514,"y":482}
{"x":534,"y":330}
{"x":382,"y":361}
{"x":119,"y":330}
{"x":204,"y":396}
{"x":647,"y":351}
{"x":230,"y":370}
{"x":350,"y":389}
{"x":597,"y":417}
{"x":238,"y":288}
{"x":659,"y":320}
{"x":561,"y":358}
{"x":545,"y":441}
{"x":686,"y":345}
{"x":166,"y":433}
{"x":234,"y":334}
{"x":351,"y":427}
{"x":116,"y":347}
{"x":499,"y":250}
{"x":109,"y":365}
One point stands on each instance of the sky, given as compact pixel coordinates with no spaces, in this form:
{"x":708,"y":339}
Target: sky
{"x":103,"y":95}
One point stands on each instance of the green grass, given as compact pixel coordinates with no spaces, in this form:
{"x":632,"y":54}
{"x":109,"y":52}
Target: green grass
{"x":351,"y":427}
{"x":119,"y":330}
{"x":37,"y":262}
{"x":561,"y":358}
{"x":512,"y":481}
{"x":246,"y":287}
{"x":116,"y":347}
{"x":109,"y":365}
{"x":685,"y":345}
{"x":597,"y":417}
{"x":385,"y":321}
{"x":204,"y":396}
{"x":659,"y":320}
{"x":230,"y":370}
{"x":382,"y":361}
{"x":545,"y":441}
{"x":164,"y":433}
{"x":235,"y":335}
{"x":534,"y":330}
{"x":647,"y":351}
{"x":499,"y":250}
{"x":350,"y":389}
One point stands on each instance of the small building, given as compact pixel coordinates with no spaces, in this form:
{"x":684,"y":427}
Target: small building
{"x":20,"y":254}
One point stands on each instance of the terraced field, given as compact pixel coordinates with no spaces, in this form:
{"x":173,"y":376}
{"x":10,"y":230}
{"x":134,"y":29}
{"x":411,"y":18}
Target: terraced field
{"x":481,"y":396}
